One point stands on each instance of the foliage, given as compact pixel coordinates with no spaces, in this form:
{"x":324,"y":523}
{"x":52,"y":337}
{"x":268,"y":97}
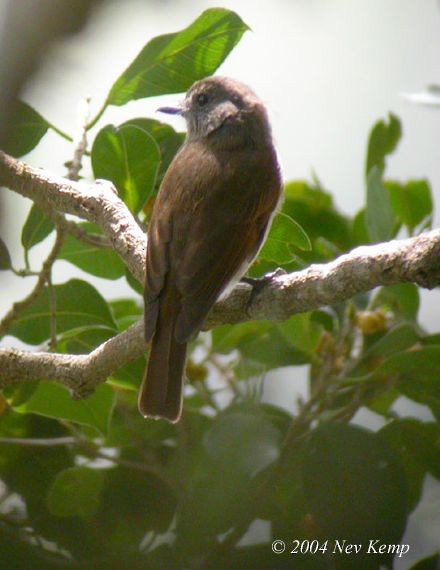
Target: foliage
{"x":122,"y":492}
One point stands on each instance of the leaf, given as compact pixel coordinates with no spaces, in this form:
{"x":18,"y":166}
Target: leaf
{"x":402,"y":299}
{"x":416,"y":373}
{"x":397,"y":339}
{"x":172,"y":62}
{"x":422,"y":440}
{"x":168,"y":140}
{"x":313,"y":208}
{"x":246,"y":442}
{"x":5,"y":258}
{"x":130,"y":158}
{"x":285,"y":232}
{"x":354,"y":485}
{"x":359,"y":229}
{"x":98,"y":261}
{"x":83,"y":340}
{"x":54,"y":401}
{"x":77,"y":304}
{"x":411,"y":202}
{"x":379,"y":217}
{"x":418,"y":447}
{"x":75,"y":492}
{"x":36,"y":227}
{"x":382,"y":141}
{"x":26,"y":130}
{"x":263,"y":343}
{"x":126,"y":312}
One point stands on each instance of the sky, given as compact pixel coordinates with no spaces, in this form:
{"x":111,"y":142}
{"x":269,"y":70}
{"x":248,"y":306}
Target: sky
{"x":326,"y":69}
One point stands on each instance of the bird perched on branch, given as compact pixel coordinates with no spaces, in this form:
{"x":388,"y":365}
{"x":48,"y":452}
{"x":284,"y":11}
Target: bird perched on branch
{"x":211,"y":216}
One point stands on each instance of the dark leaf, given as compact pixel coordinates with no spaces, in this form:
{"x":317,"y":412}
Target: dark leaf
{"x":75,"y":492}
{"x":354,"y":485}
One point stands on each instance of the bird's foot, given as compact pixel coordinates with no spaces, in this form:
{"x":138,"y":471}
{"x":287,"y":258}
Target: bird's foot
{"x":259,"y":283}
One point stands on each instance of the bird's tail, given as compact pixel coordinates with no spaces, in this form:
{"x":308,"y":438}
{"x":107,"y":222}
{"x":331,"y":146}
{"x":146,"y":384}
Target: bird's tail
{"x":160,"y":395}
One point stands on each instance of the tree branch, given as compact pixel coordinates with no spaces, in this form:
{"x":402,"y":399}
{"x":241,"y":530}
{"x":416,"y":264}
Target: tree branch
{"x":415,"y":260}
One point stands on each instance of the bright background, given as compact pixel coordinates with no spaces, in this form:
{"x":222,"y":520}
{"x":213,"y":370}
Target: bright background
{"x":327,"y":70}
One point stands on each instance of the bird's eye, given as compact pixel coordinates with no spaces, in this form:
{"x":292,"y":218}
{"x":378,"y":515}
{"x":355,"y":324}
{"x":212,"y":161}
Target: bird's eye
{"x":202,"y":99}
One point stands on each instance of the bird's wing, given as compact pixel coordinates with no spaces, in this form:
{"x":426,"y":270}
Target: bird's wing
{"x":207,"y":225}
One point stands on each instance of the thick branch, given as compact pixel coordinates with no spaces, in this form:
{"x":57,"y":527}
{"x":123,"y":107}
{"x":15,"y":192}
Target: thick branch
{"x":97,"y":203}
{"x":415,"y":260}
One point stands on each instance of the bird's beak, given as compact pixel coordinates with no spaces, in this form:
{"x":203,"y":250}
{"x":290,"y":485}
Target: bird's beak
{"x":178,"y":110}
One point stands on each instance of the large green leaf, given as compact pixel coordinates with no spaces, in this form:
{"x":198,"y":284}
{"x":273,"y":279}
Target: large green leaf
{"x":354,"y":485}
{"x":284,"y":233}
{"x":411,"y":202}
{"x":99,"y":261}
{"x":54,"y":401}
{"x":78,"y":304}
{"x":36,"y":227}
{"x":382,"y":141}
{"x":129,"y":157}
{"x":75,"y":492}
{"x":26,"y":130}
{"x":168,"y":140}
{"x":379,"y":216}
{"x":172,"y":62}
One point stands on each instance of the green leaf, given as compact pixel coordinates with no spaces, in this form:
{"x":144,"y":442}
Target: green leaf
{"x":313,"y":208}
{"x":359,"y":229}
{"x":402,"y":299}
{"x":5,"y":258}
{"x":379,"y":217}
{"x":75,"y":492}
{"x":263,"y":343}
{"x":246,"y":442}
{"x":78,"y":304}
{"x":54,"y":401}
{"x":172,"y":62}
{"x":98,"y":261}
{"x":27,"y":129}
{"x":130,"y":158}
{"x":168,"y":140}
{"x":422,"y":440}
{"x":285,"y":232}
{"x":411,"y":202}
{"x":397,"y":339}
{"x":417,"y":375}
{"x":382,"y":141}
{"x":417,"y":444}
{"x":126,"y":312}
{"x":83,"y":340}
{"x":354,"y":485}
{"x":36,"y":227}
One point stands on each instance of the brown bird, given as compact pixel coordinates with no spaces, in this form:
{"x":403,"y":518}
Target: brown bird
{"x":211,"y":216}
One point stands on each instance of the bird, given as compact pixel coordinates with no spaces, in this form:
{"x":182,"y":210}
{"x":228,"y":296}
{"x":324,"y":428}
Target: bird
{"x":210,"y":218}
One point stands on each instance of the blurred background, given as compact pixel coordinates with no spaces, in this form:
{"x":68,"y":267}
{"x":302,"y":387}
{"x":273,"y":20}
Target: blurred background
{"x":327,"y":70}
